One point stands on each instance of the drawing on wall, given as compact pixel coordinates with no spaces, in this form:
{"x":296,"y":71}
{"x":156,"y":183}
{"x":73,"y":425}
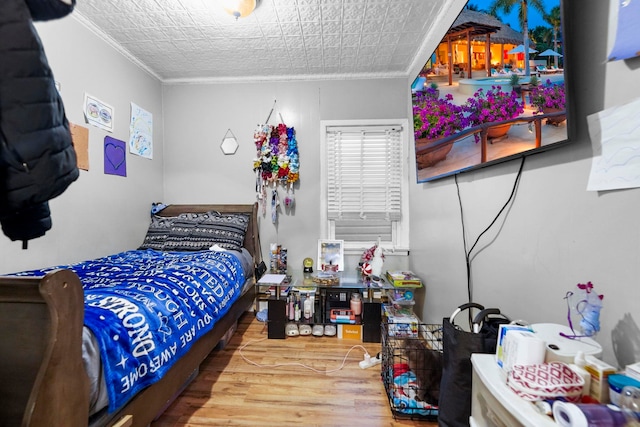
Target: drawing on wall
{"x":115,"y":159}
{"x":141,"y":132}
{"x":97,"y":113}
{"x":615,"y":133}
{"x":626,"y":44}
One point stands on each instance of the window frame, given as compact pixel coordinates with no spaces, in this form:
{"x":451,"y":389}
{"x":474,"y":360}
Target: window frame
{"x":400,"y":227}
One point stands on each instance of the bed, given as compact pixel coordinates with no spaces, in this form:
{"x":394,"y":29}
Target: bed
{"x":44,"y":318}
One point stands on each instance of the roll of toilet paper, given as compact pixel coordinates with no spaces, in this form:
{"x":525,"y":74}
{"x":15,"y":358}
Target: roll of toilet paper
{"x":587,"y":415}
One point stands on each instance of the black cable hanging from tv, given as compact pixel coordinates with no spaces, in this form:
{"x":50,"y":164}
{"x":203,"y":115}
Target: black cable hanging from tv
{"x":467,"y":254}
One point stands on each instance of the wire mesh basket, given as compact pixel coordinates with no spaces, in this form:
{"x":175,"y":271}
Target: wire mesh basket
{"x":412,"y":369}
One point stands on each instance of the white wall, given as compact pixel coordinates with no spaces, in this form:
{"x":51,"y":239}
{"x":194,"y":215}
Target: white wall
{"x":198,"y":117}
{"x":556,"y":234}
{"x":98,"y":214}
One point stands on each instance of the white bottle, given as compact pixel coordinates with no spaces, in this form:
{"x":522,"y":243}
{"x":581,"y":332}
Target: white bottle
{"x":579,"y":362}
{"x":296,"y":317}
{"x":308,"y":305}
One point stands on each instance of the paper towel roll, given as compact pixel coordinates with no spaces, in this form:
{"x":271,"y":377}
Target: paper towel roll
{"x":587,"y":415}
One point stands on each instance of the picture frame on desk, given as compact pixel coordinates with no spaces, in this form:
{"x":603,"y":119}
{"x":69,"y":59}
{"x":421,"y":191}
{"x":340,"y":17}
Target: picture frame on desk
{"x":330,"y":255}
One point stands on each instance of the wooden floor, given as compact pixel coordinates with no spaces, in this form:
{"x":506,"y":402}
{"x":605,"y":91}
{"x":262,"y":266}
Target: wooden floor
{"x":230,"y":390}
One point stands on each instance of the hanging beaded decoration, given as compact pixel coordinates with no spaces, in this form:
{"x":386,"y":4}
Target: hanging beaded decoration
{"x":277,"y":162}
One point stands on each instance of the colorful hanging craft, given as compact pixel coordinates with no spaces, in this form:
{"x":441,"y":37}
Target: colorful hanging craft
{"x":277,"y":162}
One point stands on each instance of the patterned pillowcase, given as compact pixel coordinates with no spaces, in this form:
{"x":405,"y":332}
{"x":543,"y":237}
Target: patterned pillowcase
{"x":158,"y":232}
{"x":198,"y":232}
{"x":181,"y":230}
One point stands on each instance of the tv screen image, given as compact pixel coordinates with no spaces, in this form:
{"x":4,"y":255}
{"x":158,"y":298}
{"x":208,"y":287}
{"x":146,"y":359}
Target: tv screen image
{"x":481,"y":100}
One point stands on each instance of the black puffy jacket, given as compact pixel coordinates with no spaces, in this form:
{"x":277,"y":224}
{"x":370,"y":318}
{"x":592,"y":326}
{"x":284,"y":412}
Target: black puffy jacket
{"x":37,"y":158}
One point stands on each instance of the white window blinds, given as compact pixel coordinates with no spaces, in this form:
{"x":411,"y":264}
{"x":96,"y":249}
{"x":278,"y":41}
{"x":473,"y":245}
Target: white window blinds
{"x":364,"y":181}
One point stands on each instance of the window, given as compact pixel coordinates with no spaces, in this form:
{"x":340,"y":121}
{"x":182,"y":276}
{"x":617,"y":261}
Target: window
{"x":365,"y":183}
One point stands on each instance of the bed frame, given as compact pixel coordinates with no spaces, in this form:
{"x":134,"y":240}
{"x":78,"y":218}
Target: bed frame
{"x":42,"y":380}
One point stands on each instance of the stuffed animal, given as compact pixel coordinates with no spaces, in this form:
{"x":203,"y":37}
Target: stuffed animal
{"x":376,"y":262}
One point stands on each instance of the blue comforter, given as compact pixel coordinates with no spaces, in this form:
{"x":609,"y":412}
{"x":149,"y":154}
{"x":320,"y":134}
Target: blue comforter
{"x":146,"y":308}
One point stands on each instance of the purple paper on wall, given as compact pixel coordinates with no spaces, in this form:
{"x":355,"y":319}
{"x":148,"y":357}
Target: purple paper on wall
{"x":115,"y":160}
{"x":626,"y":40}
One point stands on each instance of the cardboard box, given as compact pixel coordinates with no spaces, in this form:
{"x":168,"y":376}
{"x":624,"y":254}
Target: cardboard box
{"x":400,"y":324}
{"x":600,"y":372}
{"x":350,"y":332}
{"x":521,"y":347}
{"x":633,"y":371}
{"x":501,"y":347}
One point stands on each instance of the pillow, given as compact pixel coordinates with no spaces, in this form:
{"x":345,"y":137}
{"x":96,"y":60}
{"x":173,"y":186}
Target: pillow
{"x":180,"y":234}
{"x":158,"y":232}
{"x":198,"y":232}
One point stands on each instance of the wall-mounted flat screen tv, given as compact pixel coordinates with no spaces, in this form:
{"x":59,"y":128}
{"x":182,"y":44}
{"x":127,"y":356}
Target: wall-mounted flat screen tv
{"x":481,"y":98}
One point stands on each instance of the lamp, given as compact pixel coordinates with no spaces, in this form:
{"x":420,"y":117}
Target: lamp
{"x":239,"y":8}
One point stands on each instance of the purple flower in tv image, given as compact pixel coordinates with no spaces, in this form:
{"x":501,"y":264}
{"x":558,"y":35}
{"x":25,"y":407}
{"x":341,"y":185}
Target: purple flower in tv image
{"x":549,"y":95}
{"x":435,"y":117}
{"x":494,"y":105}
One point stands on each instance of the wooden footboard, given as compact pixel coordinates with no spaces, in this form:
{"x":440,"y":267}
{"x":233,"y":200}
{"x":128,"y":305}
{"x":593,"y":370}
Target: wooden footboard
{"x":42,"y":376}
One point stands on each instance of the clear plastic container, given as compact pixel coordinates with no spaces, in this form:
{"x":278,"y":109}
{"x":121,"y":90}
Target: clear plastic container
{"x":399,"y":300}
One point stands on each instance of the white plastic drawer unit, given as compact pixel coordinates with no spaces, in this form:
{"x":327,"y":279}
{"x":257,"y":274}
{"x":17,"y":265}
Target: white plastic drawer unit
{"x":494,"y":404}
